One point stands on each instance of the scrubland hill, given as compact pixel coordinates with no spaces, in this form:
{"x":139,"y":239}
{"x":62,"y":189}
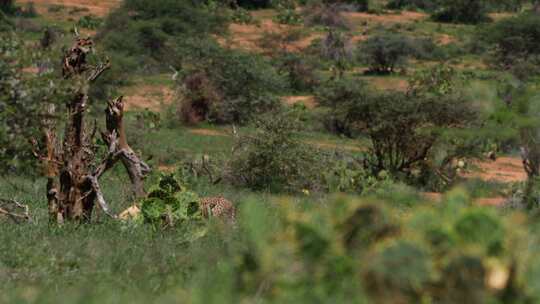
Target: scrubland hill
{"x":309,"y":151}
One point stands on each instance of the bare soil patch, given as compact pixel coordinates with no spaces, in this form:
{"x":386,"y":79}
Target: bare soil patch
{"x":248,"y":36}
{"x":308,"y":101}
{"x":334,"y":146}
{"x":503,"y":170}
{"x":446,"y":39}
{"x":149,"y":97}
{"x":95,"y":7}
{"x":403,"y":17}
{"x":389,"y":83}
{"x":208,"y":132}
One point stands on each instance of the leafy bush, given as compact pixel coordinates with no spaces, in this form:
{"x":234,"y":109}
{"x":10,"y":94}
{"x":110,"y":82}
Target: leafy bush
{"x":145,"y":31}
{"x":168,"y":204}
{"x":336,"y":48}
{"x":273,"y":159}
{"x":386,"y":52}
{"x":300,"y":71}
{"x":224,"y":85}
{"x":5,"y":23}
{"x":320,"y":14}
{"x":20,"y":114}
{"x":341,"y":97}
{"x":403,"y":128}
{"x":89,"y":22}
{"x":8,"y":7}
{"x":254,"y":4}
{"x":361,"y":252}
{"x":286,"y":12}
{"x":242,"y":16}
{"x":462,"y":11}
{"x":350,"y":5}
{"x":427,"y":5}
{"x":514,"y":40}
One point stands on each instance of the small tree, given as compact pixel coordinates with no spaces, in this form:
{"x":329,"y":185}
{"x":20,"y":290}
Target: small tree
{"x":7,"y":6}
{"x":341,"y":97}
{"x":272,"y":158}
{"x":384,"y":53}
{"x":403,"y":127}
{"x":514,"y":40}
{"x":336,"y":48}
{"x":328,"y":15}
{"x":462,"y":11}
{"x":223,"y":85}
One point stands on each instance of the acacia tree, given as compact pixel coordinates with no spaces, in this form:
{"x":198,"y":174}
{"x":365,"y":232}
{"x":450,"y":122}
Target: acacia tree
{"x":72,"y":173}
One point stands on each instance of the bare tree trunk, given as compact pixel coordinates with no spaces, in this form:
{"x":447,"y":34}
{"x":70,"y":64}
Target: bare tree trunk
{"x":135,"y":167}
{"x":72,"y":177}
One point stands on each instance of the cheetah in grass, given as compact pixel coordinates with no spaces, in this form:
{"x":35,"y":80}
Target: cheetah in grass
{"x":218,"y":207}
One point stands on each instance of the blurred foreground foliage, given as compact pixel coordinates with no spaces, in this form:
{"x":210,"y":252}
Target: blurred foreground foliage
{"x":387,"y":247}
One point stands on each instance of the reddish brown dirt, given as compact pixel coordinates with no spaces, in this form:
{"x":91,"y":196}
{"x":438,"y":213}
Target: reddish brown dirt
{"x":484,"y":201}
{"x":31,"y":70}
{"x":499,"y":16}
{"x":95,"y":7}
{"x":446,"y":39}
{"x":149,"y":97}
{"x":334,"y":146}
{"x":208,"y":132}
{"x":403,"y":17}
{"x":248,"y":36}
{"x":384,"y":83}
{"x":503,"y":170}
{"x":308,"y":101}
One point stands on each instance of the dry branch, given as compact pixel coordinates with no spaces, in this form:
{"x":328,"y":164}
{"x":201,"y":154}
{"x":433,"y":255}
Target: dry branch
{"x":8,"y":207}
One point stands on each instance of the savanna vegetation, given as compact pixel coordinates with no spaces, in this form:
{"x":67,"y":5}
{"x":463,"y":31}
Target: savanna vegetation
{"x":283,"y":151}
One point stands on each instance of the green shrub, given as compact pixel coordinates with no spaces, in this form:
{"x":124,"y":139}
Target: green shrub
{"x":515,"y":40}
{"x":462,"y":11}
{"x":272,"y":158}
{"x":146,"y":31}
{"x":20,"y":115}
{"x":337,"y":49}
{"x":286,"y":12}
{"x":427,"y":5}
{"x":254,"y":4}
{"x":89,"y":22}
{"x":320,"y":14}
{"x":8,"y":7}
{"x":5,"y":23}
{"x":224,"y":85}
{"x":242,"y":16}
{"x":341,"y":97}
{"x":385,"y":53}
{"x":300,"y":71}
{"x":403,"y":128}
{"x":168,"y":204}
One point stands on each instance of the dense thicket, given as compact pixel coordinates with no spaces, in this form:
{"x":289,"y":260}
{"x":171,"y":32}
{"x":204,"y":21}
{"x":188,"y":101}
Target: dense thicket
{"x":22,"y":100}
{"x":225,"y":85}
{"x":515,"y":39}
{"x":141,"y":32}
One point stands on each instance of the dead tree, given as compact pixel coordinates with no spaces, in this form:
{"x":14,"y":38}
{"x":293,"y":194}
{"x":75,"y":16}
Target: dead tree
{"x":72,"y":174}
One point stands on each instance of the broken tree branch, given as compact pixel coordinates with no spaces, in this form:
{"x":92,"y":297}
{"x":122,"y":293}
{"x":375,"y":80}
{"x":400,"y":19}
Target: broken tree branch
{"x":7,"y":208}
